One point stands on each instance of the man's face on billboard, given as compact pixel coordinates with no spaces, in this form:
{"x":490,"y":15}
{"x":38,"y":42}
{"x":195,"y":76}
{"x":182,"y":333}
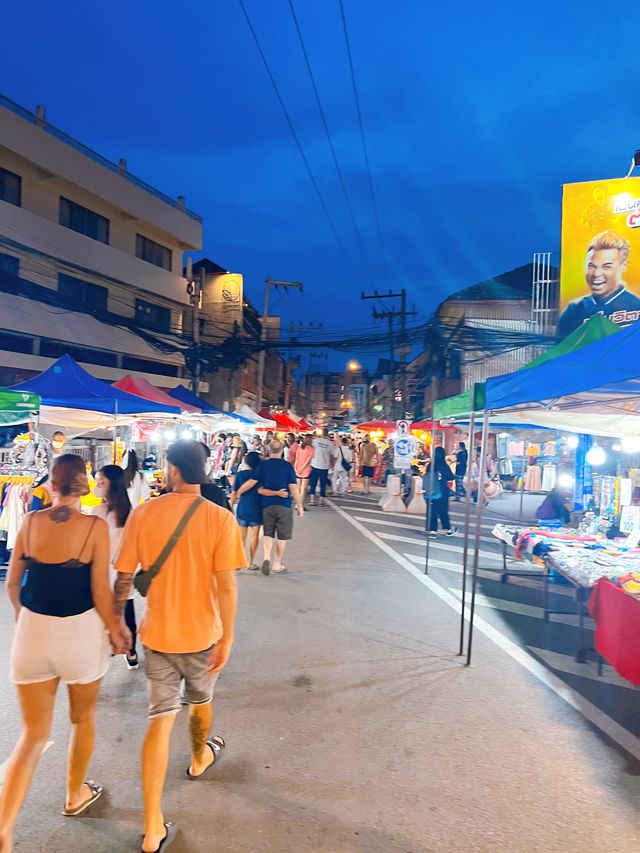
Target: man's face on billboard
{"x":604,"y":271}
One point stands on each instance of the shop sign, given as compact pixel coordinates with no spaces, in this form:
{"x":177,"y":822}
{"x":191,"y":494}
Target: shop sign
{"x":600,"y":262}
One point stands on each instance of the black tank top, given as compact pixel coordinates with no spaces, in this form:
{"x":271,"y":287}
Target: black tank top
{"x":58,"y":589}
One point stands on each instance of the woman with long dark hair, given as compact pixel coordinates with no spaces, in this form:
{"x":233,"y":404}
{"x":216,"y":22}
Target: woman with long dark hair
{"x":58,"y":584}
{"x":110,"y":486}
{"x":437,"y":494}
{"x":135,"y":482}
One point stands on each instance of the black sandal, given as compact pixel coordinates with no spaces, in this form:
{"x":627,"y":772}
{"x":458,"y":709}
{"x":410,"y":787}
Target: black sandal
{"x":96,"y":793}
{"x":172,"y":829}
{"x":216,"y":744}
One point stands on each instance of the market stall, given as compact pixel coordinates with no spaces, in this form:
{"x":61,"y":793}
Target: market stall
{"x":581,"y":390}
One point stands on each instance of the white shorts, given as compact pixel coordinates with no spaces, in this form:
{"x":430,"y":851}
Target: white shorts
{"x":75,"y":649}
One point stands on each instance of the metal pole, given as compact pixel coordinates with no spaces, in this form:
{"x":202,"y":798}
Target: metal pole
{"x":392,"y":367}
{"x":479,"y":512}
{"x":524,"y":467}
{"x":262,"y":353}
{"x":432,"y":471}
{"x":198,"y":287}
{"x":467,"y":519}
{"x":404,"y":381}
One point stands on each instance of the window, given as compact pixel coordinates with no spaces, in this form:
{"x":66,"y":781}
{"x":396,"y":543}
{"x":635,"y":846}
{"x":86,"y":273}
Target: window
{"x":82,"y":293}
{"x":54,"y":349}
{"x":9,"y":264}
{"x":153,"y":316}
{"x":10,"y":187}
{"x":144,"y":365}
{"x":83,"y":220}
{"x":153,"y":252}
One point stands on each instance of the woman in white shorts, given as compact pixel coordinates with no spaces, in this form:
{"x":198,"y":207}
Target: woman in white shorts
{"x":65,"y":625}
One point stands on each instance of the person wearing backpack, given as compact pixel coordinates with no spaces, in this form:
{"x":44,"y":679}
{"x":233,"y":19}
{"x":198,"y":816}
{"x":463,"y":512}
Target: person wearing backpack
{"x":437,"y":493}
{"x":342,"y":461}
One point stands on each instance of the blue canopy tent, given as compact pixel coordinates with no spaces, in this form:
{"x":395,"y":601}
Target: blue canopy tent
{"x":602,"y":377}
{"x":183,"y":395}
{"x":66,"y":385}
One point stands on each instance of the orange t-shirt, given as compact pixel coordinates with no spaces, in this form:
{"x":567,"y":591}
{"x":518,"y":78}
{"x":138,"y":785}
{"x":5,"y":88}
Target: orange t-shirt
{"x":182,"y":613}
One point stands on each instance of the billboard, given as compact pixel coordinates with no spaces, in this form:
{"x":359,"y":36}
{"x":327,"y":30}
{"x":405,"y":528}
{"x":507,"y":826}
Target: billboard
{"x":223,"y":294}
{"x":600,"y":261}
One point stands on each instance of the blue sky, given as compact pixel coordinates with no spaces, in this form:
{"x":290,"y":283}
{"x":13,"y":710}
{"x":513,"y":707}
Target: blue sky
{"x":475,"y":114}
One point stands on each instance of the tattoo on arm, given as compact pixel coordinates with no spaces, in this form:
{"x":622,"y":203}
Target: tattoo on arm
{"x":60,"y":514}
{"x":121,"y":592}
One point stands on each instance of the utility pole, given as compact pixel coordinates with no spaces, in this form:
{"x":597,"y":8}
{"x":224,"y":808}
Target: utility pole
{"x":195,"y":288}
{"x":402,"y":314}
{"x":269,"y":282}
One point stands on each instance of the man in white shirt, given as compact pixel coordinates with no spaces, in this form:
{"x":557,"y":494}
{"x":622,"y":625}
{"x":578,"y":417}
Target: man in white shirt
{"x":322,"y":451}
{"x":342,"y":462}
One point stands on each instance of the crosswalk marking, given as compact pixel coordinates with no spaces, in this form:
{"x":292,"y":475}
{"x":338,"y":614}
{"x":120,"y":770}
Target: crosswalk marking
{"x":504,"y":604}
{"x":597,"y":717}
{"x":435,"y":545}
{"x":491,"y":540}
{"x":589,"y":669}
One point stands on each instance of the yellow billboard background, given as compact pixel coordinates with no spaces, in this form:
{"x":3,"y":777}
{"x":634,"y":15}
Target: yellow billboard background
{"x":588,"y":209}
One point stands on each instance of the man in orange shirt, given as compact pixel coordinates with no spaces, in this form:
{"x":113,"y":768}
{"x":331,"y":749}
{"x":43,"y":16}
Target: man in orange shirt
{"x":187,"y":628}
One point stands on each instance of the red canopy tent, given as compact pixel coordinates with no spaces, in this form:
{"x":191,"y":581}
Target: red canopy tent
{"x":427,"y":426}
{"x":304,"y":424}
{"x":372,"y":426}
{"x":141,"y":388}
{"x":282,"y":420}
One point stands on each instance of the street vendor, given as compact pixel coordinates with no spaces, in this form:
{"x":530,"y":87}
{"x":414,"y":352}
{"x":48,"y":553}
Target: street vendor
{"x":554,"y":507}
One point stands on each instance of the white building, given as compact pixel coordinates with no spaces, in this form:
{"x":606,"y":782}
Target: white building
{"x":91,"y":259}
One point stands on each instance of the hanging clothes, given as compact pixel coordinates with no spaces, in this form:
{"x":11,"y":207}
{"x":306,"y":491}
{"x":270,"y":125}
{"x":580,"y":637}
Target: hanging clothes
{"x":548,"y":478}
{"x":533,"y":479}
{"x":516,"y":448}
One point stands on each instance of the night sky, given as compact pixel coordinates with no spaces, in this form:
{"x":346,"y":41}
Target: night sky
{"x":475,"y":114}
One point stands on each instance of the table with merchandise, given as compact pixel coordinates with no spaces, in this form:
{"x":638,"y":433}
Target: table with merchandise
{"x":581,"y":558}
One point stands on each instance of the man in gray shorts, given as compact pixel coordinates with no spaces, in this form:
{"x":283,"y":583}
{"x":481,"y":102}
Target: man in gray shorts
{"x":188,"y":625}
{"x":278,"y":485}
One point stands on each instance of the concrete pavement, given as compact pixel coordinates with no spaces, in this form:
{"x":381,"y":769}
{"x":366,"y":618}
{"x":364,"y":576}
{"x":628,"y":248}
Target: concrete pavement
{"x":351,"y":726}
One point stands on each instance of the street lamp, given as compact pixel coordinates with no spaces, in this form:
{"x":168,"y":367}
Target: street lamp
{"x":354,"y":366}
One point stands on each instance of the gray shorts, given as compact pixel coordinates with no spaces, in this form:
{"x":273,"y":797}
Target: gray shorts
{"x":278,"y":519}
{"x":166,"y":671}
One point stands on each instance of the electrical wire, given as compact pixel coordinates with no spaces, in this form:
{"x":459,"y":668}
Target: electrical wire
{"x":296,"y":138}
{"x":364,"y":142}
{"x":325,"y":124}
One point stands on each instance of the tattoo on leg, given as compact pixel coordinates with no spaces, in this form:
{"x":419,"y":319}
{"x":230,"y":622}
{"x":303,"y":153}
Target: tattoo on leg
{"x":60,"y":514}
{"x":198,"y":735}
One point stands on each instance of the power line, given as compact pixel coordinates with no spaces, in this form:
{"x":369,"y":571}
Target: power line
{"x":364,"y":143}
{"x":296,"y":138}
{"x":329,"y":139}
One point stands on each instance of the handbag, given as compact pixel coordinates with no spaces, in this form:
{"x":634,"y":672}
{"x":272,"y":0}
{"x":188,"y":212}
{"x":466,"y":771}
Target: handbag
{"x":142,"y":579}
{"x":346,"y":465}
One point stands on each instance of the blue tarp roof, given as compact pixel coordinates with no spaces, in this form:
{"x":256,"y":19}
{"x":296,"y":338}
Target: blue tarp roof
{"x":185,"y":396}
{"x":608,"y":369}
{"x":67,"y":385}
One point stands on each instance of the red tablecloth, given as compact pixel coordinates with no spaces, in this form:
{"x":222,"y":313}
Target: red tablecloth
{"x":617,"y":616}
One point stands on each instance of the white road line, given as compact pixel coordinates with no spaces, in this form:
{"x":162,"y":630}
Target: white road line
{"x":436,"y":564}
{"x":623,"y":737}
{"x":5,"y":764}
{"x":504,"y":605}
{"x":491,"y":540}
{"x":436,"y":545}
{"x":567,"y":663}
{"x":418,"y":518}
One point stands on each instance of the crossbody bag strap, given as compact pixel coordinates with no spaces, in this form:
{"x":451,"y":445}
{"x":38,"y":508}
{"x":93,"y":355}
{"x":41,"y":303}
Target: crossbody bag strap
{"x":164,"y":555}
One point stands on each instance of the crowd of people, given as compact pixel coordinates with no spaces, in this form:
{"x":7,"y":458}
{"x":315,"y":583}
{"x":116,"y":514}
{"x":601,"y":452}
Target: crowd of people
{"x":75,"y":567}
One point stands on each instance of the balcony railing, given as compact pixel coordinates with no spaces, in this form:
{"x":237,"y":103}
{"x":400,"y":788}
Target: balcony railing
{"x":8,"y":104}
